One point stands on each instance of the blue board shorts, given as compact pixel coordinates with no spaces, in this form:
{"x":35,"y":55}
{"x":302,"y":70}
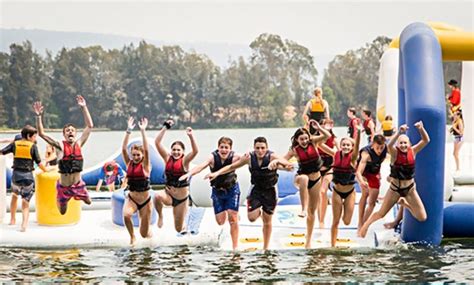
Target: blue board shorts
{"x":223,"y":200}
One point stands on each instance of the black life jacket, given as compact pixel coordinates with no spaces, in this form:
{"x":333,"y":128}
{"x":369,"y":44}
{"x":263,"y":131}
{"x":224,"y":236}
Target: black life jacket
{"x":261,"y":176}
{"x":224,"y":181}
{"x":373,"y":166}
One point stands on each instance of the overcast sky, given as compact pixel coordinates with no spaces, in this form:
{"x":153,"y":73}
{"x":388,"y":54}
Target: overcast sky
{"x":325,"y":27}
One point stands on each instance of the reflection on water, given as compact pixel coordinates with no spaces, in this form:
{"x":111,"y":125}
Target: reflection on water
{"x":453,"y":262}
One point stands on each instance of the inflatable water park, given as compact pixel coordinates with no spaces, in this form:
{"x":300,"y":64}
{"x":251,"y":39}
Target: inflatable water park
{"x":410,"y":88}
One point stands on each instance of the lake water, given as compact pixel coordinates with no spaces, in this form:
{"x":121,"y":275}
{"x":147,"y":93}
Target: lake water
{"x":451,"y":262}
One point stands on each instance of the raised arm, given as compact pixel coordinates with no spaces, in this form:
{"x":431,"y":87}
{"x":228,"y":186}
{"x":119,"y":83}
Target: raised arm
{"x":391,"y":144}
{"x":245,"y":159}
{"x":324,"y":134}
{"x":159,"y":138}
{"x":87,"y":119}
{"x":355,"y":151}
{"x":38,"y":108}
{"x":130,"y":126}
{"x":425,"y":138}
{"x":194,"y":148}
{"x":146,"y":152}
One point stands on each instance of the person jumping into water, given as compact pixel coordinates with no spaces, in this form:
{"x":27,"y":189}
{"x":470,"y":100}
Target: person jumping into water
{"x":138,"y":182}
{"x":371,"y":158}
{"x":308,"y":179}
{"x":225,"y":188}
{"x":176,"y":193}
{"x":262,"y":200}
{"x":343,"y":194}
{"x":402,"y":187}
{"x":70,"y":184}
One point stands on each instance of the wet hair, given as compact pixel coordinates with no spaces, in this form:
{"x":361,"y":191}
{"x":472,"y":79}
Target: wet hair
{"x":28,"y":131}
{"x":260,"y":140}
{"x":180,"y":143}
{"x":367,"y":112}
{"x":226,"y":140}
{"x":388,"y":118}
{"x":298,"y":133}
{"x":67,"y":126}
{"x":138,"y":147}
{"x":352,"y":110}
{"x":379,"y":139}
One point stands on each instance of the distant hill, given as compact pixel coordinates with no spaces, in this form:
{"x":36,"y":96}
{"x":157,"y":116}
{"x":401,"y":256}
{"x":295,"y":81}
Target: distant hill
{"x":53,"y":41}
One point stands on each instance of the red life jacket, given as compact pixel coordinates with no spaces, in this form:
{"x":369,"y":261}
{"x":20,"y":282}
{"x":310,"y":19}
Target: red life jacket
{"x":343,"y":171}
{"x":136,"y":178}
{"x":404,"y":166}
{"x":174,"y":169}
{"x":365,"y":124}
{"x":309,"y":159}
{"x":72,"y":160}
{"x":351,"y":127}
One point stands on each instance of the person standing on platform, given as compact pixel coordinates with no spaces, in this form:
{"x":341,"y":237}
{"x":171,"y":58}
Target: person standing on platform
{"x":369,"y":125}
{"x":25,"y":154}
{"x":353,"y":123}
{"x":454,"y":97}
{"x":316,"y":109}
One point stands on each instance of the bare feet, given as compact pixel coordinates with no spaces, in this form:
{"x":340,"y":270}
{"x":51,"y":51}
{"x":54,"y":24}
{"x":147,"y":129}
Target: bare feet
{"x":12,"y":222}
{"x":363,"y":231}
{"x":390,"y":225}
{"x":160,"y":222}
{"x":302,"y":214}
{"x":321,"y":225}
{"x":133,"y":240}
{"x":23,"y":229}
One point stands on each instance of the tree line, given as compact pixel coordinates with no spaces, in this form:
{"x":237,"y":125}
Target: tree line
{"x":268,"y":89}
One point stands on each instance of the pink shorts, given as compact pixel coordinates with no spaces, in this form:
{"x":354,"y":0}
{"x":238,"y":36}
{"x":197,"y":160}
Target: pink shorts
{"x":77,"y":191}
{"x":373,"y":180}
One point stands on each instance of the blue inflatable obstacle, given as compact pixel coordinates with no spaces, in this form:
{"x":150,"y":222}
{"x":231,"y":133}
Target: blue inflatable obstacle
{"x":118,"y":200}
{"x":92,"y":175}
{"x":420,"y":97}
{"x":458,"y":220}
{"x":294,"y":199}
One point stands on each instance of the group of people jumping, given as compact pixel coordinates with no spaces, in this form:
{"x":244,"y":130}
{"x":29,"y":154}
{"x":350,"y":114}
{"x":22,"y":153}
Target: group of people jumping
{"x":323,"y":163}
